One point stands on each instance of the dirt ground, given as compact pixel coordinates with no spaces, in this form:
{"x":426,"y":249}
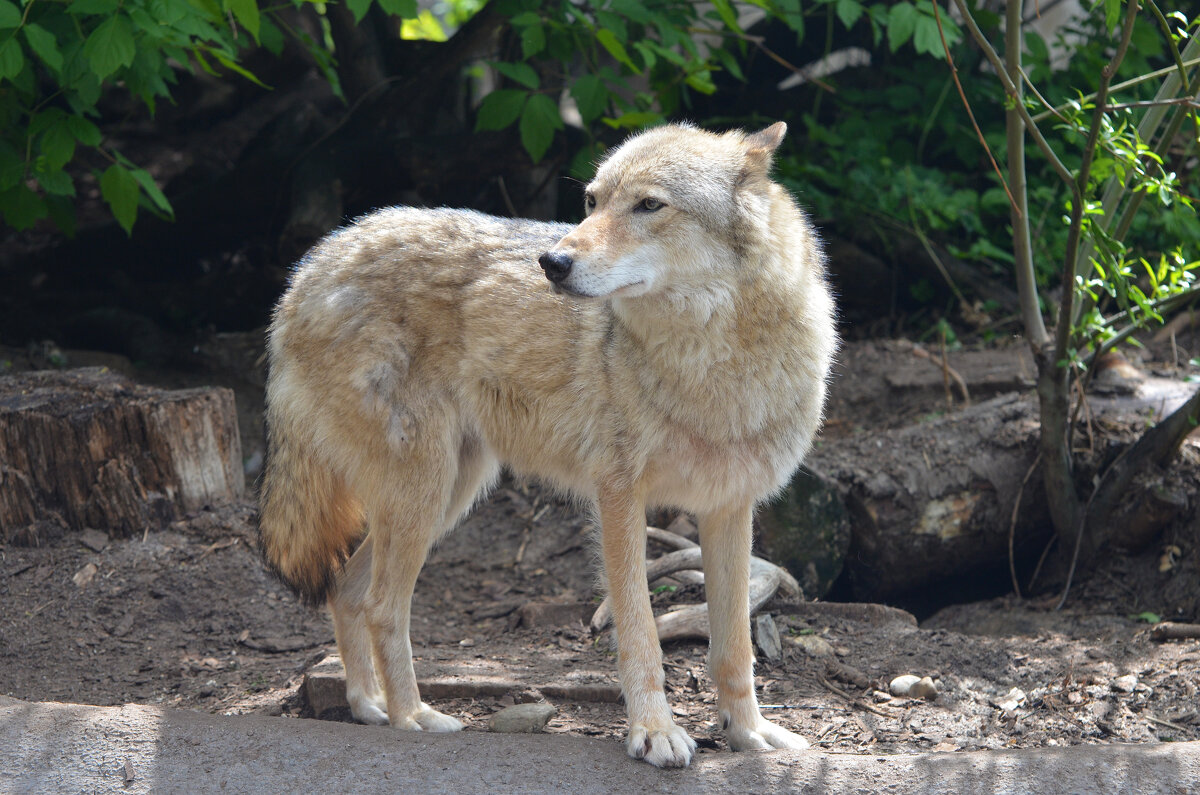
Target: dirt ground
{"x":187,"y":616}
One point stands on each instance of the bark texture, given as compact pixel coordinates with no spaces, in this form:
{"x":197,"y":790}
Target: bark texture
{"x":90,"y":449}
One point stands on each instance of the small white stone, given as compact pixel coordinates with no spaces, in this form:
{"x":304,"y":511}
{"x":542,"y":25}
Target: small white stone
{"x":1011,"y":700}
{"x":903,"y":685}
{"x":1125,"y":684}
{"x":814,"y":645}
{"x":925,"y":688}
{"x":522,"y":718}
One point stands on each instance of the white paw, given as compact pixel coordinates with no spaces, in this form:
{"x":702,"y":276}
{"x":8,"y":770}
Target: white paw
{"x":764,"y":735}
{"x":670,"y":747}
{"x":371,"y":710}
{"x":433,"y":721}
{"x":427,"y":719}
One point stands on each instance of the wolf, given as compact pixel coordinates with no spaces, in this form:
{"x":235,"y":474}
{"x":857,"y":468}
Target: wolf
{"x":672,"y":350}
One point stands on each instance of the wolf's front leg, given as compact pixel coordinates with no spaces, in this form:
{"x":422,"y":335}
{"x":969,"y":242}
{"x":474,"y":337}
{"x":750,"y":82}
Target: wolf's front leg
{"x":653,"y":734}
{"x":725,"y":539}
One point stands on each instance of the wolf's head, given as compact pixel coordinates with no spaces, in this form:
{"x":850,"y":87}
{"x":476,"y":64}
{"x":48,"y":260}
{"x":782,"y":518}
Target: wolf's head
{"x":674,"y":208}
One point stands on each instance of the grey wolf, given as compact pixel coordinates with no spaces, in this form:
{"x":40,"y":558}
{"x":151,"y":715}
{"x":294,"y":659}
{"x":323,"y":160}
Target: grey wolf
{"x":671,"y":351}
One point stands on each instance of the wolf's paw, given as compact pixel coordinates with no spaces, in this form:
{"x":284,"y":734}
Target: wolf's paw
{"x":669,"y":747}
{"x":427,"y":719}
{"x":764,"y":735}
{"x":371,"y":710}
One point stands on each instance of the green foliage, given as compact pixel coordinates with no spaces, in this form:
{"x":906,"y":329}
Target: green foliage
{"x":57,"y":59}
{"x":897,"y":151}
{"x":675,"y":48}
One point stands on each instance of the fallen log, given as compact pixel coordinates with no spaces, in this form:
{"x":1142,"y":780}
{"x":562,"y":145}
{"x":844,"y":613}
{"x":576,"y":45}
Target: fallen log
{"x":934,"y":500}
{"x":90,"y":449}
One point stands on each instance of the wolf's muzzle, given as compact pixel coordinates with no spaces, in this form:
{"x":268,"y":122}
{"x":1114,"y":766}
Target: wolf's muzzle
{"x":557,"y":265}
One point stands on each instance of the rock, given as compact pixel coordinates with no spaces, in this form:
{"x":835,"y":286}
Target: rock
{"x":521,"y":718}
{"x":94,"y":539}
{"x":814,"y":645}
{"x":1125,"y":684}
{"x":807,"y":531}
{"x":85,"y":575}
{"x":903,"y":685}
{"x":925,"y":688}
{"x":766,"y":634}
{"x":1011,"y":700}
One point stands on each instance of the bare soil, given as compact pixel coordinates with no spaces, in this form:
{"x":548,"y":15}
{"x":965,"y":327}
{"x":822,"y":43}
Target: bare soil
{"x":187,"y":616}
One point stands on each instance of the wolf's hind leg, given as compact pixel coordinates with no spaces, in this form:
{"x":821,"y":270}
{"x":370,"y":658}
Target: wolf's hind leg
{"x":349,"y":607}
{"x":416,"y":500}
{"x":725,"y":539}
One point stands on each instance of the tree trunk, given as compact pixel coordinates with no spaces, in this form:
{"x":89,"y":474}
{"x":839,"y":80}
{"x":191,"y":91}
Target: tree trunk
{"x":90,"y":449}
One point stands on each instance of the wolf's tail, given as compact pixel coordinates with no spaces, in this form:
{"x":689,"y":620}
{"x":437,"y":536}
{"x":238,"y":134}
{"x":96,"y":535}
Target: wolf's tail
{"x":309,"y":521}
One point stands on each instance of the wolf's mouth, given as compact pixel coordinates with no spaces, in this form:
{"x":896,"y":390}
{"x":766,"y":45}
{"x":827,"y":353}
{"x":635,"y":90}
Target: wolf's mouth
{"x":561,"y":289}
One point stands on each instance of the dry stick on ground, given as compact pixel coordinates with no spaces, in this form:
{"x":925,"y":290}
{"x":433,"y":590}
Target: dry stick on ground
{"x":1169,"y":630}
{"x":692,"y":621}
{"x":946,"y":370}
{"x":1012,"y":525}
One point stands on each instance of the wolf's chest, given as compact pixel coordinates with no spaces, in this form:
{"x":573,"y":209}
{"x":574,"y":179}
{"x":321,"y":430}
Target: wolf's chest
{"x":700,"y":474}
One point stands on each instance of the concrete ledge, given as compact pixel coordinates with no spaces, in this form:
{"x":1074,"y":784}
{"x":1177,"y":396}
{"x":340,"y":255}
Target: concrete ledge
{"x":49,"y":747}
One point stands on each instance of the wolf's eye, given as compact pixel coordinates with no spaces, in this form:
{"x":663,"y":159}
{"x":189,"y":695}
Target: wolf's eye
{"x":649,"y":205}
{"x":589,"y":201}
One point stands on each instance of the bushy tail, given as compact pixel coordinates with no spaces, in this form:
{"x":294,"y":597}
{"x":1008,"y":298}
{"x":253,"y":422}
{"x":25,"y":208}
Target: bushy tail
{"x":309,"y":521}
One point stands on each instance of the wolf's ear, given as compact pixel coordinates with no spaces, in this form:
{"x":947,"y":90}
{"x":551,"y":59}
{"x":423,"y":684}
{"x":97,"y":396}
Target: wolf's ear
{"x":768,"y":139}
{"x":760,"y":147}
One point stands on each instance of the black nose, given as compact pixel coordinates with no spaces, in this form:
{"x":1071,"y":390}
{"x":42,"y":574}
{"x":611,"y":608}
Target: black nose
{"x":556,"y":264}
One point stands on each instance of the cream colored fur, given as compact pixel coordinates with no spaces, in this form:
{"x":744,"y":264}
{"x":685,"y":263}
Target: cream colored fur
{"x":681,"y":362}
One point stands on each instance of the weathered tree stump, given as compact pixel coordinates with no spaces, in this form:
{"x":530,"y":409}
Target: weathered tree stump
{"x":90,"y":449}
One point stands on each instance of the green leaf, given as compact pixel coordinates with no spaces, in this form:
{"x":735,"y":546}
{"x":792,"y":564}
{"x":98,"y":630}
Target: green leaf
{"x":499,"y":109}
{"x":152,"y":190}
{"x":519,"y":72}
{"x":533,"y":40}
{"x":11,"y":58}
{"x":702,"y":82}
{"x":849,"y":11}
{"x":234,"y":66}
{"x":583,"y":164}
{"x":902,"y":22}
{"x":120,"y":189}
{"x":727,"y":14}
{"x":58,"y":146}
{"x":12,"y":166}
{"x":634,"y":120}
{"x":99,"y":7}
{"x":405,"y":9}
{"x":110,"y":46}
{"x":591,"y":97}
{"x":21,"y":207}
{"x":1112,"y":13}
{"x":539,"y":120}
{"x":10,"y":15}
{"x":608,"y":40}
{"x":84,"y":131}
{"x":55,"y":181}
{"x":926,"y":38}
{"x":246,"y":12}
{"x":272,"y":37}
{"x":44,"y":45}
{"x":358,"y":8}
